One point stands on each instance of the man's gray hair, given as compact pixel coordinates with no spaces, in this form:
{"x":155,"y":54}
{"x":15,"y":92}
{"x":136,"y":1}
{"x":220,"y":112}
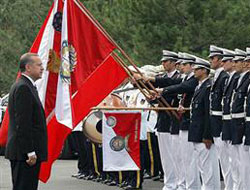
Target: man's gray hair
{"x":26,"y":59}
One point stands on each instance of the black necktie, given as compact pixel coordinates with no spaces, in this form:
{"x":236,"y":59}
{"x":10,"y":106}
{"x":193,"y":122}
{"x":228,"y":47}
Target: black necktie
{"x":35,"y":90}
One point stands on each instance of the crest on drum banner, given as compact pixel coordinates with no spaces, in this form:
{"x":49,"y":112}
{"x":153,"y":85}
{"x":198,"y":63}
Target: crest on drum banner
{"x":117,"y":143}
{"x":111,"y":121}
{"x":121,"y":139}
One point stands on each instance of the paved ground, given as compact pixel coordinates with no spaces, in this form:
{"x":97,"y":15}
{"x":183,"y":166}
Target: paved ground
{"x":61,"y":179}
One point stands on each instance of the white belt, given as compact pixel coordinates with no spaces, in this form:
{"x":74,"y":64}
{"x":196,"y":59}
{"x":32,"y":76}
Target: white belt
{"x":216,"y":113}
{"x":247,"y":118}
{"x":238,"y":115}
{"x":227,"y":117}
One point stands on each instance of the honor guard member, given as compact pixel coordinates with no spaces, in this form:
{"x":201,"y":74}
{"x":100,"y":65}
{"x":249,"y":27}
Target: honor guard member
{"x":230,"y":85}
{"x":216,"y":93}
{"x":164,"y":122}
{"x":179,"y":61}
{"x":174,"y":128}
{"x":238,"y":115}
{"x":245,"y":153}
{"x":178,"y":64}
{"x":199,"y":132}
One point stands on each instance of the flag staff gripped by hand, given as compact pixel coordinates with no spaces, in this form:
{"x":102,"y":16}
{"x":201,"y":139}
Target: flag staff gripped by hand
{"x":161,"y":103}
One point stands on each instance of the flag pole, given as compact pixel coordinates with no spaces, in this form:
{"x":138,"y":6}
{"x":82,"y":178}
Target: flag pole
{"x":91,"y":17}
{"x":138,"y":108}
{"x":161,"y":104}
{"x":129,"y":73}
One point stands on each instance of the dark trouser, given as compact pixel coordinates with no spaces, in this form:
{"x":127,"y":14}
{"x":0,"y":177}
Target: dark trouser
{"x":154,"y":155}
{"x":99,"y":158}
{"x":82,"y":152}
{"x":24,"y":177}
{"x":136,"y":177}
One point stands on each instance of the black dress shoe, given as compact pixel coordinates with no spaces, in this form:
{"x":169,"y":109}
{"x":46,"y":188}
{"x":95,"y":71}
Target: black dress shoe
{"x":161,"y":180}
{"x":81,"y":176}
{"x":76,"y":175}
{"x":146,"y":176}
{"x":107,"y":181}
{"x":124,"y":184}
{"x":130,"y":187}
{"x":90,"y":177}
{"x":112,"y":183}
{"x":93,"y":178}
{"x":97,"y":179}
{"x":156,"y":178}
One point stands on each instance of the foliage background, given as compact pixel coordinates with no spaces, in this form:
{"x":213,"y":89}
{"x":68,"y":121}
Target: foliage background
{"x":141,"y":27}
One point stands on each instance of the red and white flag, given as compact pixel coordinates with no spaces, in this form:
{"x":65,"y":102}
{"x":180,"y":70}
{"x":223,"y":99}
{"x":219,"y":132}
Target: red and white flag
{"x":79,"y":71}
{"x":121,"y":140}
{"x":63,"y":109}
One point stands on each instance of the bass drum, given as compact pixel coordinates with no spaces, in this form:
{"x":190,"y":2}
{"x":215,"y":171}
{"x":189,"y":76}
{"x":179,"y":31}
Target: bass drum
{"x":92,"y":124}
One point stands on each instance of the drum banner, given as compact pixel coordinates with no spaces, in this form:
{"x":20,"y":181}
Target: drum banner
{"x":121,"y":140}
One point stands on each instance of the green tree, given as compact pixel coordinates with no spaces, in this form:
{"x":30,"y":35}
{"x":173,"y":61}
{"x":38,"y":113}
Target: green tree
{"x":143,"y":28}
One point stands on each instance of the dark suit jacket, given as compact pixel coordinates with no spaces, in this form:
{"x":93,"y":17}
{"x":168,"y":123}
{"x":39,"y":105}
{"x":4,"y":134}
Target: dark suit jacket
{"x":186,"y":88}
{"x":216,"y":98}
{"x":226,"y":109}
{"x":247,"y":131}
{"x":27,"y":124}
{"x":200,"y":127}
{"x":247,"y":106}
{"x":164,"y":121}
{"x":238,"y":124}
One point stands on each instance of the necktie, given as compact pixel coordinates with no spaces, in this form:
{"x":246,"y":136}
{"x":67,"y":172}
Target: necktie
{"x":239,"y":81}
{"x":35,"y":90}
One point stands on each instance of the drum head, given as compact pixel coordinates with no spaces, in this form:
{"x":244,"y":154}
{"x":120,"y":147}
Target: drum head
{"x":89,"y":127}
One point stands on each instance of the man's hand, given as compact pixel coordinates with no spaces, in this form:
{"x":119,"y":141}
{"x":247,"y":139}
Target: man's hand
{"x":181,"y":109}
{"x":154,"y":94}
{"x":137,"y":76}
{"x":31,"y":160}
{"x":207,"y":143}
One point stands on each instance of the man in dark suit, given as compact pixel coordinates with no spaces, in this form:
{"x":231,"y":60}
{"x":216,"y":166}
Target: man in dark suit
{"x":27,"y":136}
{"x":199,"y":132}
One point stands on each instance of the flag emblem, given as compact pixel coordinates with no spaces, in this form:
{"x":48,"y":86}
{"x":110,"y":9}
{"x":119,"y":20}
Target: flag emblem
{"x":68,"y":61}
{"x":54,"y":62}
{"x":57,"y":21}
{"x":117,"y":143}
{"x":111,"y":121}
